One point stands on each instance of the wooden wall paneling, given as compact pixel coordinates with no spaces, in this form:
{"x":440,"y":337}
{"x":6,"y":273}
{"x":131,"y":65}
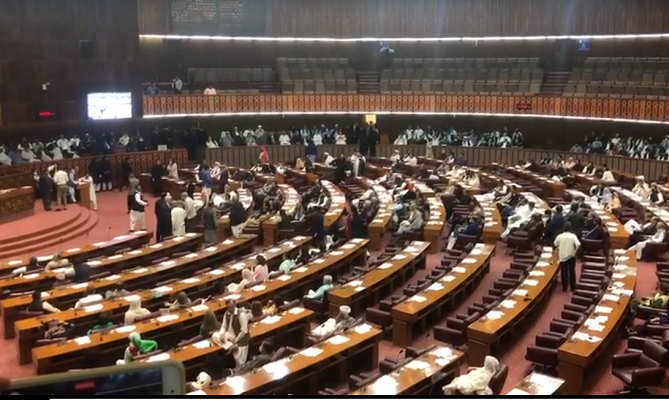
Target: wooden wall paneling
{"x":153,"y":17}
{"x":432,"y":18}
{"x":637,"y":109}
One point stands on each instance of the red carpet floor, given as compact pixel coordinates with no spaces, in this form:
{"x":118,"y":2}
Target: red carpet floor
{"x":114,"y":220}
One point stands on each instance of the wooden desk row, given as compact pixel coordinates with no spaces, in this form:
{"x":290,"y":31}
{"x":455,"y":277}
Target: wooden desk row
{"x":540,"y":205}
{"x":270,"y":226}
{"x":381,"y":221}
{"x":550,"y":186}
{"x":300,"y":373}
{"x":187,"y":321}
{"x":642,"y":205}
{"x":422,"y":188}
{"x":536,"y":384}
{"x":484,"y":334}
{"x":45,"y":279}
{"x":492,"y":227}
{"x":16,"y":202}
{"x":601,"y":327}
{"x":618,"y":236}
{"x":131,"y":240}
{"x":66,"y":296}
{"x":337,"y":204}
{"x":201,"y":284}
{"x":419,"y":376}
{"x":412,"y":314}
{"x":379,"y":282}
{"x":435,"y":224}
{"x":194,"y":356}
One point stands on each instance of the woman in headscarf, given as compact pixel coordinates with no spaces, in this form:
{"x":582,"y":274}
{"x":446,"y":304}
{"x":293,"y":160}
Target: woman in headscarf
{"x":476,"y":381}
{"x":37,"y":305}
{"x":210,"y":325}
{"x":263,"y":157}
{"x":135,"y":311}
{"x":247,"y":279}
{"x":182,"y":302}
{"x":137,"y":347}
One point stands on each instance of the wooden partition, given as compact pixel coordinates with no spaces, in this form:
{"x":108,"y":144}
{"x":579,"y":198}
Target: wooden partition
{"x":14,"y":178}
{"x":140,"y":161}
{"x":574,"y":106}
{"x":476,"y":156}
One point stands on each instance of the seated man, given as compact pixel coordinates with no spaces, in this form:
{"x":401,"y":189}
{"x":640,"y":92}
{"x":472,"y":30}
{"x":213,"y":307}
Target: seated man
{"x":334,"y":326}
{"x":91,"y":297}
{"x":472,"y":228}
{"x":320,"y":292}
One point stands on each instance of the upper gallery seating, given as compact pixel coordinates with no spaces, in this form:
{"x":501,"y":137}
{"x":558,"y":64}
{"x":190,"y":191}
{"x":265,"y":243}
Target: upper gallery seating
{"x":244,"y":80}
{"x":463,"y":75}
{"x":316,"y":75}
{"x":644,"y":76}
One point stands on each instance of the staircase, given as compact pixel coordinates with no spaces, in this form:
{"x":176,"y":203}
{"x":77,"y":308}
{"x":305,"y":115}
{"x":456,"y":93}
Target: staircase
{"x":368,"y":83}
{"x":554,"y":82}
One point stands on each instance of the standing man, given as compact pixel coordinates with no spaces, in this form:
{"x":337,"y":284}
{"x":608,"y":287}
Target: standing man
{"x":61,"y":180}
{"x":567,"y":244}
{"x":210,"y":224}
{"x":137,"y":216}
{"x":237,"y":217}
{"x":133,"y":185}
{"x":106,"y":173}
{"x":177,"y":85}
{"x":374,"y":137}
{"x":163,"y":218}
{"x":235,"y":330}
{"x":46,"y":190}
{"x":72,"y":185}
{"x":157,"y":173}
{"x":206,"y":181}
{"x":191,"y":213}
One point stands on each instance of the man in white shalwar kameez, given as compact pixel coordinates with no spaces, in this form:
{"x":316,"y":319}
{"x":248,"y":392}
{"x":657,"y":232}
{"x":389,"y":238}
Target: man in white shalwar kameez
{"x":476,"y":381}
{"x":178,"y":219}
{"x":659,"y":237}
{"x":521,"y":215}
{"x":91,"y":190}
{"x":234,"y":334}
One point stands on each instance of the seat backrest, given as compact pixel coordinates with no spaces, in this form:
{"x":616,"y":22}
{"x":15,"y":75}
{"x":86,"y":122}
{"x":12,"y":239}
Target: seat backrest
{"x":498,"y":380}
{"x":654,"y":355}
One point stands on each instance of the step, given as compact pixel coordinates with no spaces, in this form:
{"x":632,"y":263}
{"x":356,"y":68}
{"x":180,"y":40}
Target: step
{"x":83,"y":227}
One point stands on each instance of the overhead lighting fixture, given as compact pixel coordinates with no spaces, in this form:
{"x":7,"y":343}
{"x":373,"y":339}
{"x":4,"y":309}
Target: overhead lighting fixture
{"x":427,"y":113}
{"x":406,"y":39}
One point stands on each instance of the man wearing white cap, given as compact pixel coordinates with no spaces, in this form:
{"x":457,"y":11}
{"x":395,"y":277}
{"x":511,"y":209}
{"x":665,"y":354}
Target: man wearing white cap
{"x":202,"y":381}
{"x":234,"y":334}
{"x":641,"y":188}
{"x":332,"y":326}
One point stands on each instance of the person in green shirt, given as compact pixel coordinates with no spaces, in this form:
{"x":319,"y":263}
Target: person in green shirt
{"x":138,"y":347}
{"x":104,"y":322}
{"x":320,"y":292}
{"x":287,"y":265}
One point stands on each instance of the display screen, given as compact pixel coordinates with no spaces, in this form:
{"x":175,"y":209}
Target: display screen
{"x":139,"y":383}
{"x":110,"y":105}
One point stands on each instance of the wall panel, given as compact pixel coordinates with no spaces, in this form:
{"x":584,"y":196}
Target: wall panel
{"x":654,"y":110}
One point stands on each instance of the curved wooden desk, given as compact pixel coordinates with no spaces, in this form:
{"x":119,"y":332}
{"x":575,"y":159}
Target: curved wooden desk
{"x":377,"y":227}
{"x":601,"y":328}
{"x":484,"y":334}
{"x":383,"y":279}
{"x":436,"y":298}
{"x":16,"y":203}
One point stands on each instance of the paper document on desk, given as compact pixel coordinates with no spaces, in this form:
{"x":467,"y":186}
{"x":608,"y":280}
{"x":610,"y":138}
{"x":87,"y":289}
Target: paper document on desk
{"x":508,"y":304}
{"x":520,"y":292}
{"x":385,"y":266}
{"x":610,"y":297}
{"x":418,"y":365}
{"x":518,"y":392}
{"x":436,"y":287}
{"x":362,"y":329}
{"x":418,"y":299}
{"x":448,"y":278}
{"x":337,"y":340}
{"x":311,"y":352}
{"x":495,"y":315}
{"x":603,"y":310}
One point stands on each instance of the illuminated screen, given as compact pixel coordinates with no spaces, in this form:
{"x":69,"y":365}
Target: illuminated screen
{"x":140,"y":383}
{"x":110,"y":105}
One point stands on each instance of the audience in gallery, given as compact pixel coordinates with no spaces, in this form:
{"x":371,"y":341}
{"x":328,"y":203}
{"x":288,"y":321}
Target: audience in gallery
{"x":633,"y":146}
{"x":451,"y":137}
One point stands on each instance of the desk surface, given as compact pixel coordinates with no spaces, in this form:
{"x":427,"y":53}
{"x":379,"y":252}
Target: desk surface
{"x":136,"y":273}
{"x":226,"y":271}
{"x":532,"y":288}
{"x":492,"y":228}
{"x":291,"y":199}
{"x":257,"y":329}
{"x":337,"y":204}
{"x":297,"y":363}
{"x":411,"y":308}
{"x":616,"y":230}
{"x":100,"y":265}
{"x":536,"y":384}
{"x":346,"y":293}
{"x":403,"y":379}
{"x":216,"y":305}
{"x":435,"y":224}
{"x":118,"y":241}
{"x":584,"y":344}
